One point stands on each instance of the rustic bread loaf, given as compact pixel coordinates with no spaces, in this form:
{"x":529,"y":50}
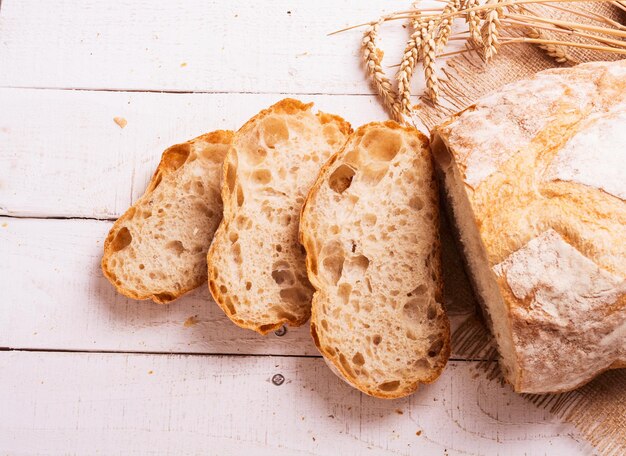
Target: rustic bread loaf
{"x":157,"y":249}
{"x":370,"y":230}
{"x":256,"y":265}
{"x":535,"y":180}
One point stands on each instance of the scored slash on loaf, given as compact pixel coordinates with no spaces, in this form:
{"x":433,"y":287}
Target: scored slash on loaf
{"x":370,"y":230}
{"x":256,"y":266}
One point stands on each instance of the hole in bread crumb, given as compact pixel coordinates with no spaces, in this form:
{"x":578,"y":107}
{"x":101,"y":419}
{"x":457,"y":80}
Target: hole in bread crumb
{"x":122,"y":239}
{"x":223,"y":289}
{"x":202,"y":208}
{"x":279,"y":248}
{"x":358,"y":359}
{"x":248,"y":285}
{"x":416,"y":203}
{"x":146,"y":214}
{"x":283,"y":276}
{"x":432,"y":312}
{"x":176,"y":155}
{"x":164,"y":297}
{"x":344,"y":292}
{"x":198,"y":188}
{"x":377,"y":339}
{"x":231,"y":175}
{"x":213,"y":288}
{"x":435,"y":348}
{"x":344,"y":363}
{"x":295,"y":296}
{"x":413,"y":309}
{"x":389,"y":386}
{"x":369,"y":219}
{"x":275,"y":131}
{"x":358,"y":264}
{"x":262,"y":176}
{"x":382,"y":144}
{"x":285,"y":219}
{"x":341,"y":178}
{"x":229,"y":305}
{"x":240,"y":197}
{"x":176,"y":247}
{"x":152,"y":275}
{"x":324,"y":325}
{"x":314,"y":335}
{"x":236,"y":251}
{"x":419,"y":290}
{"x":411,"y":335}
{"x":141,"y":266}
{"x":233,"y":236}
{"x":333,"y":266}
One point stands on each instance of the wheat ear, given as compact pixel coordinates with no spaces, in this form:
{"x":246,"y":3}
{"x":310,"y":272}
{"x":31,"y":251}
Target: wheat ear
{"x":372,"y":56}
{"x":428,"y":56}
{"x":490,"y":31}
{"x":445,"y":28}
{"x":558,"y":53}
{"x":473,"y":22}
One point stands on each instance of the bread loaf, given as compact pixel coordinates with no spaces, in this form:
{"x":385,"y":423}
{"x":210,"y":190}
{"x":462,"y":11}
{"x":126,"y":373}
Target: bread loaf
{"x":157,"y":249}
{"x":534,"y":176}
{"x":256,"y":264}
{"x":370,"y":230}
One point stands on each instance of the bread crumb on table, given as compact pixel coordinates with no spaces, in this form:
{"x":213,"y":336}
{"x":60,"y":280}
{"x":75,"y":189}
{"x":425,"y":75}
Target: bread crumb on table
{"x":120,"y":121}
{"x":191,"y":321}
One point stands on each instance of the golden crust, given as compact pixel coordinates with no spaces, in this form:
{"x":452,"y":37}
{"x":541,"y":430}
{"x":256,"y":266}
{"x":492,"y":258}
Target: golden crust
{"x":170,"y":161}
{"x":306,"y":240}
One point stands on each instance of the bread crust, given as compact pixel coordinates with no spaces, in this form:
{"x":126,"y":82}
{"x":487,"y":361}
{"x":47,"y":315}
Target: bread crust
{"x":307,"y":238}
{"x":169,"y":163}
{"x":288,"y":106}
{"x":557,"y":212}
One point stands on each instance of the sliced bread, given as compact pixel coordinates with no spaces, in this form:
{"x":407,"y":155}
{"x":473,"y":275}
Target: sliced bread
{"x":256,"y":265}
{"x":157,"y":249}
{"x":370,"y":230}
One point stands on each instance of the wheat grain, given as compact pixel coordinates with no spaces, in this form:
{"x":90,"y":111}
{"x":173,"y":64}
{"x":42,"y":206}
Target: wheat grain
{"x":372,"y":56}
{"x":490,"y":30}
{"x":428,"y":60}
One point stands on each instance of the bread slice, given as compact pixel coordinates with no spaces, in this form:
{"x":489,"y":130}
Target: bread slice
{"x":255,"y":264}
{"x":157,"y":249}
{"x":370,"y":229}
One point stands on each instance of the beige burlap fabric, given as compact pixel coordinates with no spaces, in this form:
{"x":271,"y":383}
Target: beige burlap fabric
{"x":598,"y":409}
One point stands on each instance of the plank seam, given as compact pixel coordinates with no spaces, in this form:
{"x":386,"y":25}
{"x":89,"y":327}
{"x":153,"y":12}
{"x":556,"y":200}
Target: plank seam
{"x":122,"y":352}
{"x":181,"y":91}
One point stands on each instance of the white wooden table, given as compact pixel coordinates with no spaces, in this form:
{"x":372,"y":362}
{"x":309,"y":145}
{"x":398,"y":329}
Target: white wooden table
{"x":84,"y":370}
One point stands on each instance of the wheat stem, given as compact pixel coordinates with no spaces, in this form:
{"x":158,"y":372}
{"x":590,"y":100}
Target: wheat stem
{"x":372,"y":56}
{"x":591,"y":47}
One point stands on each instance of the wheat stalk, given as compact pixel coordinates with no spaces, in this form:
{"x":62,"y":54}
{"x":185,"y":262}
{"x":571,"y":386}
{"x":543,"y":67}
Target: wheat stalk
{"x":445,"y":28}
{"x":557,"y":52}
{"x":473,"y":22}
{"x":428,"y":56}
{"x":490,"y":30}
{"x":372,"y":57}
{"x":487,"y":27}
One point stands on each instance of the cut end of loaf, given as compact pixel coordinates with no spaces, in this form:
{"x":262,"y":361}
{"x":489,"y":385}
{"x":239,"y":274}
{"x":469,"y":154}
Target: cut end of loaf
{"x":256,"y":267}
{"x":370,"y":230}
{"x":157,"y":249}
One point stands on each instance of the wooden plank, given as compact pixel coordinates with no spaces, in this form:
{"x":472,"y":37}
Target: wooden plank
{"x":237,"y":46}
{"x":61,"y":153}
{"x":54,"y":296}
{"x":137,"y":404}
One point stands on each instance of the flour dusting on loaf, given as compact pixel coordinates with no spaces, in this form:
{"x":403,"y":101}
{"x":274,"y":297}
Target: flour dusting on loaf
{"x":534,"y":176}
{"x":562,"y":289}
{"x":595,"y":155}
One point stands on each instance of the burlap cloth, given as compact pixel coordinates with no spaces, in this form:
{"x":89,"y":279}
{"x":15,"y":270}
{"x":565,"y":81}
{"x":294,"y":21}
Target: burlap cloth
{"x":598,"y":409}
